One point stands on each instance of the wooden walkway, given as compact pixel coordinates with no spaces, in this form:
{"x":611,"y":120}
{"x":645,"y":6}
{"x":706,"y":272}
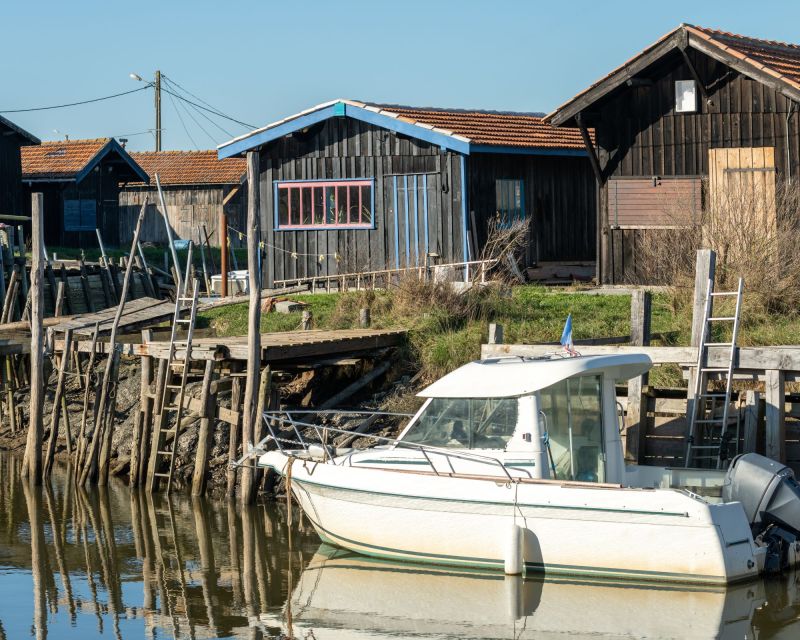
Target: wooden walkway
{"x":138,"y":314}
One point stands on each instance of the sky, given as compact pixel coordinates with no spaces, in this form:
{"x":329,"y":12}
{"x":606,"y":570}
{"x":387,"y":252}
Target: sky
{"x":261,"y":61}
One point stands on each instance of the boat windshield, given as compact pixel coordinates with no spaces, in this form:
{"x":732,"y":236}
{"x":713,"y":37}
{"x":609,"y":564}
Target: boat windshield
{"x":465,"y":423}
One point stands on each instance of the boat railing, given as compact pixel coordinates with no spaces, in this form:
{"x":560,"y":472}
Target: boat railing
{"x":292,"y":421}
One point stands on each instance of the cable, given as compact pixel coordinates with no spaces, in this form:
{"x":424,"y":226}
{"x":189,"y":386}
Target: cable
{"x":75,"y":104}
{"x":183,"y":124}
{"x":202,"y":128}
{"x":227,"y":133}
{"x":185,"y":90}
{"x":216,"y":113}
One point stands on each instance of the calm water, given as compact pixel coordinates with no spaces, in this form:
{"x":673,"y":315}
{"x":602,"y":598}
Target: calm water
{"x":111,"y":564}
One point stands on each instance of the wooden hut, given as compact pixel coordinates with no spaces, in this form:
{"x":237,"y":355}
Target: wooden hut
{"x":81,"y":181}
{"x":351,"y":187}
{"x":12,"y":139}
{"x":695,"y":112}
{"x":197,"y":187}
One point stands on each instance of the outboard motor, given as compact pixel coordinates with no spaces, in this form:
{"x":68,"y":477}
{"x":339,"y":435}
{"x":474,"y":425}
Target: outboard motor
{"x":770,"y":496}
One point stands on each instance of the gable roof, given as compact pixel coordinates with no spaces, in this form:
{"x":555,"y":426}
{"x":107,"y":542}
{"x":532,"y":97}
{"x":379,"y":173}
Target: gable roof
{"x":191,"y":167}
{"x":462,"y":130}
{"x":71,"y":159}
{"x":29,"y":138}
{"x":776,"y":64}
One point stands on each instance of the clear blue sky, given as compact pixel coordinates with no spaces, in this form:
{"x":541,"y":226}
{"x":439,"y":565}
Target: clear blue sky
{"x":260,"y":61}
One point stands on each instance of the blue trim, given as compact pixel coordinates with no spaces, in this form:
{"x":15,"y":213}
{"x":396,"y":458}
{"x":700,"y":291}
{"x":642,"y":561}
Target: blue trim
{"x":408,"y":228}
{"x":528,"y":151}
{"x":416,"y":223}
{"x":425,"y":210}
{"x":396,"y":227}
{"x":263,"y":136}
{"x":464,"y":227}
{"x":112,"y":145}
{"x":326,"y":227}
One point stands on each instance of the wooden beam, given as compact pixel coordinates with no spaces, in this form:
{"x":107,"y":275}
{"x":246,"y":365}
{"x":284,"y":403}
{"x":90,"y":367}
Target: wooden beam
{"x":636,"y":412}
{"x":694,"y":73}
{"x":587,"y":142}
{"x":55,"y":415}
{"x":751,"y":421}
{"x":207,"y":402}
{"x":775,"y":395}
{"x":350,"y":390}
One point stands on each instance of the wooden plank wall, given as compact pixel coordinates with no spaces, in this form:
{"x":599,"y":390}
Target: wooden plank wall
{"x":645,"y":202}
{"x":188,"y":208}
{"x":347,"y":148}
{"x":640,"y":135}
{"x":559,"y":200}
{"x":10,"y":175}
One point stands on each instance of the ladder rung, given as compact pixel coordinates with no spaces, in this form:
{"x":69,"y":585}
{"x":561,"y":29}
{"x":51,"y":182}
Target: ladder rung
{"x":170,"y":430}
{"x":705,"y":446}
{"x":722,"y":318}
{"x":712,"y":395}
{"x":161,"y":475}
{"x":713,"y":369}
{"x":725,"y":293}
{"x":178,"y":386}
{"x":718,"y":344}
{"x":186,"y":320}
{"x":186,"y":299}
{"x":166,"y":453}
{"x":710,"y":421}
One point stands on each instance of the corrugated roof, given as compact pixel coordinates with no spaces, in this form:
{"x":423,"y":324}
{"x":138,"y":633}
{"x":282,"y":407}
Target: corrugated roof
{"x":191,"y":167}
{"x":59,"y":159}
{"x":494,"y":128}
{"x":779,"y":60}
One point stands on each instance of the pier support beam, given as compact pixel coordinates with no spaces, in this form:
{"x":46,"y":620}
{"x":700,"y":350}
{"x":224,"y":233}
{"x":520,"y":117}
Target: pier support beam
{"x":636,"y":411}
{"x":775,"y":393}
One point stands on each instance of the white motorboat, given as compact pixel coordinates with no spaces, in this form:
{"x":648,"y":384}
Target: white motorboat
{"x":517,"y":465}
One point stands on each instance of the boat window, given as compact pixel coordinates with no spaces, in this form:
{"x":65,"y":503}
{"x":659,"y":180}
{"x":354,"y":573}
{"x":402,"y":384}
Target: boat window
{"x":572,"y":410}
{"x":465,"y":423}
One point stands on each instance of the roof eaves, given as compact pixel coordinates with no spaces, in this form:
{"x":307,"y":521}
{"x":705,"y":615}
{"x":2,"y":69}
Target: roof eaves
{"x":20,"y":131}
{"x":112,"y":145}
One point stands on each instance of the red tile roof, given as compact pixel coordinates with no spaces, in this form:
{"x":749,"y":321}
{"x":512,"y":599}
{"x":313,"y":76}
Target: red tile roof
{"x":190,"y":167}
{"x":494,"y":128}
{"x":780,"y":60}
{"x":59,"y":159}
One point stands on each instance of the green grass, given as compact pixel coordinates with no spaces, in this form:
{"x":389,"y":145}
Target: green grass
{"x":440,"y":339}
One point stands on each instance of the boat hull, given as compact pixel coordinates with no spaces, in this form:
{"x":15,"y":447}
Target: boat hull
{"x":642,"y":535}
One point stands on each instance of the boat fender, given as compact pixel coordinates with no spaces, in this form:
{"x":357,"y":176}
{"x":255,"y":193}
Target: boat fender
{"x":513,"y":551}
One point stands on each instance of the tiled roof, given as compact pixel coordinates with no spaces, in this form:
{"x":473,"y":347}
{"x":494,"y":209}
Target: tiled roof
{"x":59,"y":159}
{"x":190,"y":167}
{"x":777,"y":59}
{"x":494,"y":128}
{"x":780,"y":57}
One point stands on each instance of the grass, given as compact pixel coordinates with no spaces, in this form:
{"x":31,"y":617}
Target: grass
{"x":443,"y":336}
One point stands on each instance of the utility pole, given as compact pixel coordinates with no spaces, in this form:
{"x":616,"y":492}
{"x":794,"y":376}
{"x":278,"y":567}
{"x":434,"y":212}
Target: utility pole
{"x":157,"y":87}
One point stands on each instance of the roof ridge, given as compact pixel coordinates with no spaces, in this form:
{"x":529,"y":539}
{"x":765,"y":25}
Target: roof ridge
{"x":495,"y":112}
{"x":176,"y":152}
{"x":75,"y":141}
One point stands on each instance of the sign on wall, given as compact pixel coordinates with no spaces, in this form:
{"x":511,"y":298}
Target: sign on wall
{"x":80,"y":215}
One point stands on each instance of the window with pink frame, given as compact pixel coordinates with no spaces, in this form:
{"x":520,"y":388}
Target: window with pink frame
{"x":324,"y":204}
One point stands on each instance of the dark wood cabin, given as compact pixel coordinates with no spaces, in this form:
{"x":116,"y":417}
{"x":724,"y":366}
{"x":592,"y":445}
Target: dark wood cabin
{"x":197,"y":188}
{"x":659,"y":119}
{"x":80,"y":180}
{"x":350,"y":187}
{"x":12,"y":139}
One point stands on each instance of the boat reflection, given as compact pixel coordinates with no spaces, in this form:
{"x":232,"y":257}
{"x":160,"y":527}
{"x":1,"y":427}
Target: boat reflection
{"x":340,"y":594}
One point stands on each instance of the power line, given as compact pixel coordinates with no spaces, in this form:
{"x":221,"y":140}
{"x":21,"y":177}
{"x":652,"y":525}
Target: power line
{"x":225,"y":131}
{"x":201,"y":127}
{"x":75,"y":104}
{"x":194,"y":95}
{"x":216,"y":113}
{"x":183,"y":124}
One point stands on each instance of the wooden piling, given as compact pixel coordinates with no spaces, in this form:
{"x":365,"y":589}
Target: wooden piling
{"x":364,"y":319}
{"x":32,"y":463}
{"x":254,"y":321}
{"x":141,"y":423}
{"x":775,"y":395}
{"x":87,"y":292}
{"x":751,"y":421}
{"x":207,"y":404}
{"x":306,"y":321}
{"x":80,"y":448}
{"x":636,"y":411}
{"x":56,"y":412}
{"x":495,"y":333}
{"x":234,"y":436}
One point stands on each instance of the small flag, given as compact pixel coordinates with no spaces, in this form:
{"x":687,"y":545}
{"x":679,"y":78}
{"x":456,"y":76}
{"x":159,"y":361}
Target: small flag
{"x":566,"y":337}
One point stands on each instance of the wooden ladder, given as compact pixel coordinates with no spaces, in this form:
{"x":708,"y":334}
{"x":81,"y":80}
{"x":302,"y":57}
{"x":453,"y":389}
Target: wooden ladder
{"x":704,"y":423}
{"x":170,"y":570}
{"x":172,"y":396}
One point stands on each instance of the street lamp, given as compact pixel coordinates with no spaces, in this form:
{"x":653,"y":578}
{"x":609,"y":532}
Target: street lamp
{"x":157,"y":86}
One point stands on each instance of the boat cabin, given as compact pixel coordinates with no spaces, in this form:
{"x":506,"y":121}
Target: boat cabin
{"x":555,"y":418}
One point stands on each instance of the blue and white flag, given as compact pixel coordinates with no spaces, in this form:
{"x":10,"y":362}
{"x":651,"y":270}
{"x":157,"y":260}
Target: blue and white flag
{"x":566,"y":337}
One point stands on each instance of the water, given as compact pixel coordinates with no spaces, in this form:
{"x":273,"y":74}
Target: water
{"x":109,"y":563}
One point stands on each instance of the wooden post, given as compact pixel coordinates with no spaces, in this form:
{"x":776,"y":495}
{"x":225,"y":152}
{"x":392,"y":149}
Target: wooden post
{"x":51,"y":281}
{"x":364,"y":319}
{"x":2,"y":274}
{"x":178,"y":281}
{"x":207,"y":404}
{"x":234,"y":432}
{"x":223,"y":251}
{"x":254,"y":322}
{"x":775,"y":395}
{"x":107,"y":266}
{"x":32,"y":464}
{"x":751,"y":420}
{"x":141,"y":423}
{"x":636,"y":411}
{"x":11,"y":292}
{"x":56,"y":412}
{"x":59,"y":306}
{"x":306,"y":321}
{"x":100,"y":448}
{"x":80,"y":449}
{"x":206,"y":280}
{"x":87,"y":291}
{"x":495,"y":333}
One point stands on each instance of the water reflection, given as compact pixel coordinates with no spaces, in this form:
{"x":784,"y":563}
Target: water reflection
{"x":111,"y":563}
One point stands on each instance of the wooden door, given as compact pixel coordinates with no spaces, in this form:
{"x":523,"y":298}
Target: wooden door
{"x":411,"y":227}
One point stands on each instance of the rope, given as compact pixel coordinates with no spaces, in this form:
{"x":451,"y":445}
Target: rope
{"x":294,"y":254}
